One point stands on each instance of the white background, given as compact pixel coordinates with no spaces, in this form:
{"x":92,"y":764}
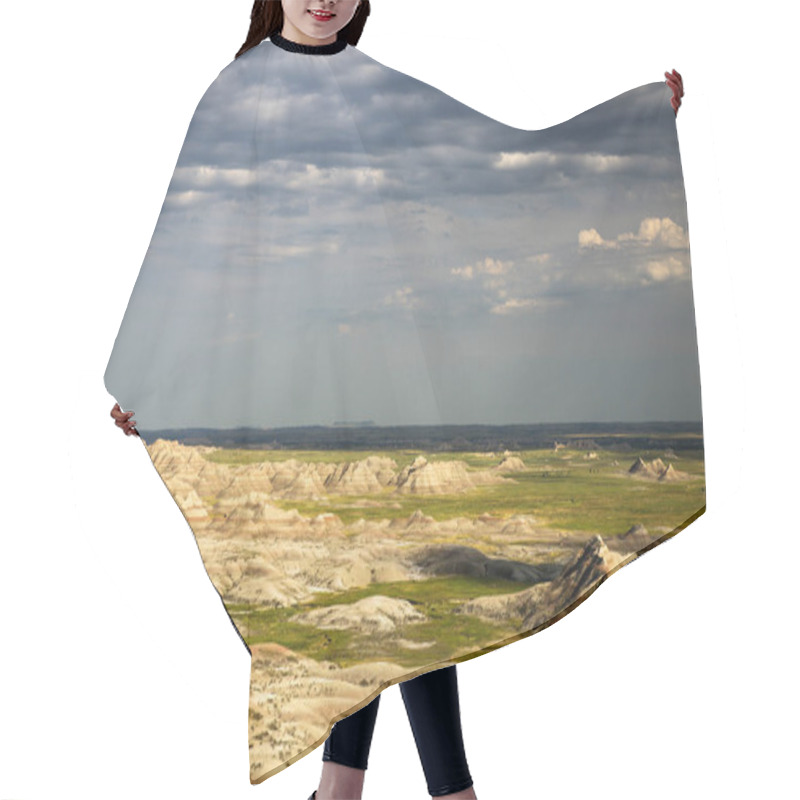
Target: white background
{"x":120,"y":673}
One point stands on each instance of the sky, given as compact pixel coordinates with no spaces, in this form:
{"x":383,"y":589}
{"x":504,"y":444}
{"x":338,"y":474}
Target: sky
{"x":342,"y":242}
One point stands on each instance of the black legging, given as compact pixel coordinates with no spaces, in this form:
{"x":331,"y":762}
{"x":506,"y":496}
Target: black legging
{"x":433,"y":711}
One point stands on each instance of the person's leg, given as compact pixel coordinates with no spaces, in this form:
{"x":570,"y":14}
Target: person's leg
{"x":346,"y":754}
{"x":434,"y":713}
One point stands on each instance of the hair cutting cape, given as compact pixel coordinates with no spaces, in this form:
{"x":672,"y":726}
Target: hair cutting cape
{"x":419,"y":381}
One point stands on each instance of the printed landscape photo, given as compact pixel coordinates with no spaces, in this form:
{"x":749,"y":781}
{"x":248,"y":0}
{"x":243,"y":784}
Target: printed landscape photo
{"x":419,"y":381}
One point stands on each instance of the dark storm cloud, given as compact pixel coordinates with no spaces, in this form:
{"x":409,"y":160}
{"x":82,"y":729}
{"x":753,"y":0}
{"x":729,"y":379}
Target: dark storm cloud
{"x":331,"y":203}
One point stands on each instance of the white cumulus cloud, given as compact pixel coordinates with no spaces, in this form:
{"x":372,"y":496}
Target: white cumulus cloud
{"x":403,"y":297}
{"x":652,"y":231}
{"x":463,"y":272}
{"x":670,"y":268}
{"x":591,"y":238}
{"x":488,"y":266}
{"x":521,"y":160}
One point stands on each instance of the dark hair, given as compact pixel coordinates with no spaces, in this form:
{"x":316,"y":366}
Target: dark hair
{"x":266,"y":18}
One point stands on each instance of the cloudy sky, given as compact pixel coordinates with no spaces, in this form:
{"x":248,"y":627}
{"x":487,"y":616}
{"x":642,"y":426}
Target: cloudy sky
{"x":340,"y":241}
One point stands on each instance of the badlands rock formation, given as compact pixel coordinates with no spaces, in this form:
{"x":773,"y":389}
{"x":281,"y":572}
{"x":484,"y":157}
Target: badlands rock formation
{"x":442,"y":477}
{"x":278,"y":533}
{"x":511,"y":463}
{"x":371,"y":615}
{"x":298,"y":480}
{"x":306,"y":693}
{"x":292,"y":698}
{"x":582,"y":576}
{"x":549,"y":601}
{"x":258,"y":552}
{"x":636,"y":538}
{"x":656,"y":470}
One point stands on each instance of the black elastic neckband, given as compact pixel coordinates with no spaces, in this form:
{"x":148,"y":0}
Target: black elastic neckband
{"x":309,"y":49}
